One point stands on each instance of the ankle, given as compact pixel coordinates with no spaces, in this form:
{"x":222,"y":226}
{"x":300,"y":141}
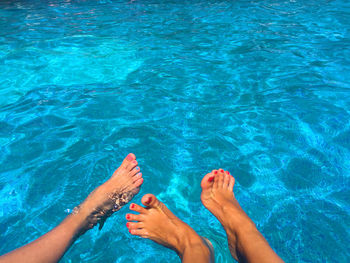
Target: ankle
{"x":195,"y":247}
{"x":198,"y":250}
{"x":242,"y":228}
{"x":189,"y":240}
{"x":77,"y":223}
{"x":240,"y":222}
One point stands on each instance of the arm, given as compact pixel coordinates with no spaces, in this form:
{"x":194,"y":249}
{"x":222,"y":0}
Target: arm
{"x":51,"y":246}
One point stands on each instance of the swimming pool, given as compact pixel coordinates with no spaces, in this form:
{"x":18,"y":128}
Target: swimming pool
{"x":261,"y":89}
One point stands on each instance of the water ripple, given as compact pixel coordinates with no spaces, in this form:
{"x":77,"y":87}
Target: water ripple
{"x":258,"y":88}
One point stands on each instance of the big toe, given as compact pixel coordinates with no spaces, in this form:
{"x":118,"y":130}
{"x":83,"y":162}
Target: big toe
{"x":150,"y":200}
{"x":207,"y":180}
{"x":129,"y":158}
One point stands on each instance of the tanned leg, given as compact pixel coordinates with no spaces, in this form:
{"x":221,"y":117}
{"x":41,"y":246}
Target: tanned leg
{"x":101,"y":203}
{"x":158,"y":223}
{"x":246,"y":243}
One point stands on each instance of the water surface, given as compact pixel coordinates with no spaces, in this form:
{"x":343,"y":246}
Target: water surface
{"x":261,"y":89}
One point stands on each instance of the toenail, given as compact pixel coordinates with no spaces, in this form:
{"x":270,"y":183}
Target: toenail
{"x":127,"y":216}
{"x":227,"y":172}
{"x":215,"y":172}
{"x":129,"y":231}
{"x":134,"y":161}
{"x":132,"y":206}
{"x":211,"y":179}
{"x":139,"y":174}
{"x":127,"y":225}
{"x":221,"y":170}
{"x":129,"y":157}
{"x":137,"y":168}
{"x":149,"y":200}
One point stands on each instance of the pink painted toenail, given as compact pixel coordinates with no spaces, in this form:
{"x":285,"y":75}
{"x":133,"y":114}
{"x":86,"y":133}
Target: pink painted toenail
{"x":130,"y":231}
{"x":132,"y":206}
{"x":227,"y":172}
{"x":134,"y":162}
{"x":221,"y":170}
{"x":127,"y":225}
{"x":149,"y":200}
{"x":129,"y":157}
{"x":211,"y":179}
{"x":127,"y":216}
{"x":215,"y":172}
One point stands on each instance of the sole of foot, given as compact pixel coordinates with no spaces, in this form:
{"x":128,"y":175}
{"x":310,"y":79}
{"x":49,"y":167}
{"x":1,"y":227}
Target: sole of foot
{"x":156,"y":222}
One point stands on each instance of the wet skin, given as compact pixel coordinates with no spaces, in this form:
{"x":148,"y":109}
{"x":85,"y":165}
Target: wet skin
{"x":111,"y":196}
{"x":101,"y":203}
{"x":154,"y":221}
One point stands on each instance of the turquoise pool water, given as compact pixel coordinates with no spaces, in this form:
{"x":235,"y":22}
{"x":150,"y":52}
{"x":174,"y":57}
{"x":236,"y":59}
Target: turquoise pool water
{"x":261,"y":89}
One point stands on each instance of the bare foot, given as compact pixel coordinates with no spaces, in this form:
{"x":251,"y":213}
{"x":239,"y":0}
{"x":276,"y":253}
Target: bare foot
{"x":218,"y":197}
{"x":158,"y":223}
{"x":109,"y":197}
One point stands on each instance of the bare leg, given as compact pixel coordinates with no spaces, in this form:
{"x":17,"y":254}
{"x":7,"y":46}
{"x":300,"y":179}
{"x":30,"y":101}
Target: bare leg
{"x":101,"y":203}
{"x":159,"y":224}
{"x":246,"y":243}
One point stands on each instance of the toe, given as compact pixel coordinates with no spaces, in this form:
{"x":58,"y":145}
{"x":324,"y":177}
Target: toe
{"x":138,"y":208}
{"x":150,"y":200}
{"x":231,"y":183}
{"x":226,"y":179}
{"x":207,"y":180}
{"x":131,"y":165}
{"x":136,"y":177}
{"x":138,"y":182}
{"x":135,"y":170}
{"x":221,"y":178}
{"x":216,"y":179}
{"x":128,"y":159}
{"x":133,"y":217}
{"x":132,"y":225}
{"x":138,"y":232}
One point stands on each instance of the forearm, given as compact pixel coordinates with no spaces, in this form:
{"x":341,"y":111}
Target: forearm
{"x":51,"y":246}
